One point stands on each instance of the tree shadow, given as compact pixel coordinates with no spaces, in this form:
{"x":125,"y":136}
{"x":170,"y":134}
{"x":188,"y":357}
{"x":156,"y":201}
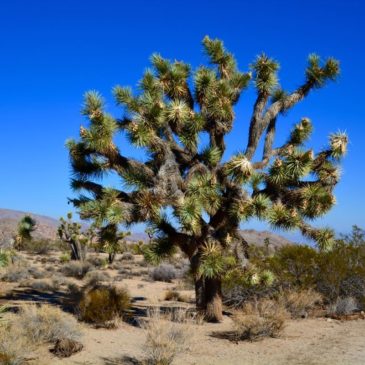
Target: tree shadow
{"x":125,"y":360}
{"x":225,"y":335}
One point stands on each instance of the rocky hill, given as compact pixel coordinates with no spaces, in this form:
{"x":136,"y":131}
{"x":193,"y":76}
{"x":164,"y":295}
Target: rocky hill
{"x":47,"y":228}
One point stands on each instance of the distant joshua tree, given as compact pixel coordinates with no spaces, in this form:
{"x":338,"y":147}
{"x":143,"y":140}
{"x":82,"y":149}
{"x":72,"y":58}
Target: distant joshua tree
{"x":26,"y":226}
{"x":188,"y":189}
{"x":70,"y":232}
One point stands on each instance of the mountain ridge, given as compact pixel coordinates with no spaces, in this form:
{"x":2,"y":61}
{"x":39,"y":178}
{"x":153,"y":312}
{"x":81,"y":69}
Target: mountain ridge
{"x":47,"y":229}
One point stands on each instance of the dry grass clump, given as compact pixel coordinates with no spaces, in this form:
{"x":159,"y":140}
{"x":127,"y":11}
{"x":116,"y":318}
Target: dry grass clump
{"x":265,"y":318}
{"x":299,"y":302}
{"x":76,"y":269}
{"x":14,"y":346}
{"x":46,"y":324}
{"x":164,"y":339}
{"x":164,"y":272}
{"x":104,"y":305}
{"x":174,"y":295}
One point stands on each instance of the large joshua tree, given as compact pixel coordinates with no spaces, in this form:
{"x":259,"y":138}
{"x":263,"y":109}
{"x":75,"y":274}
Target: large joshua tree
{"x":196,"y":196}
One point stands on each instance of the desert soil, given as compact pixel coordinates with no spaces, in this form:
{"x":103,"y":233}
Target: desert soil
{"x":316,"y":341}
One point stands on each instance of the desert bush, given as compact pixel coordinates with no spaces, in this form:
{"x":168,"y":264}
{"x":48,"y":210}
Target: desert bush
{"x":299,"y":302}
{"x":14,"y":347}
{"x":136,"y":247}
{"x":176,"y":296}
{"x":295,"y":266}
{"x":241,"y":286}
{"x":343,"y":306}
{"x":97,"y":261}
{"x":164,"y":339}
{"x":164,"y":272}
{"x":39,"y":246}
{"x":65,"y":257}
{"x":43,"y":285}
{"x":76,"y":269}
{"x":15,"y":273}
{"x":96,"y":277}
{"x":36,"y":273}
{"x":127,"y":256}
{"x":104,"y":305}
{"x":46,"y":323}
{"x":265,"y":318}
{"x":4,"y":258}
{"x":341,"y":273}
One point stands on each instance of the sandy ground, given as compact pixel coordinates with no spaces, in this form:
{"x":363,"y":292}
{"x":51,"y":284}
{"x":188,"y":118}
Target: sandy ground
{"x":317,"y":341}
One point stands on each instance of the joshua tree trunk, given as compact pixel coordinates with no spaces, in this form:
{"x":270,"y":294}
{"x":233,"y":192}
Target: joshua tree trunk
{"x":213,"y":299}
{"x":111,"y":257}
{"x":208,"y":293}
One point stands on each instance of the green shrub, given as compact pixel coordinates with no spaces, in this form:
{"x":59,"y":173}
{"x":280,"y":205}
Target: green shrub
{"x":104,"y":305}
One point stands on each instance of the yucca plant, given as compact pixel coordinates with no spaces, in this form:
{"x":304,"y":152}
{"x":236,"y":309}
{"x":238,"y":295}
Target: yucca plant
{"x":192,"y":196}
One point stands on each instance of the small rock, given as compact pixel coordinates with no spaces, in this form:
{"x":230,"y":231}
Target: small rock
{"x":65,"y":347}
{"x":329,"y":320}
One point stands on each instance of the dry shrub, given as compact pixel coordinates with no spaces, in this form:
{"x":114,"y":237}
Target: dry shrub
{"x":164,"y":339}
{"x":15,"y":273}
{"x":96,"y":277}
{"x":46,"y":324}
{"x":76,"y":269}
{"x":164,"y":272}
{"x":265,"y":318}
{"x":299,"y":302}
{"x":343,"y":306}
{"x":176,"y":296}
{"x":44,"y":285}
{"x":14,"y":346}
{"x":104,"y":305}
{"x":127,"y":256}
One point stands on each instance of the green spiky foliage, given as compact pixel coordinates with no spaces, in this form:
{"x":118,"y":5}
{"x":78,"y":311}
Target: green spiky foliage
{"x":70,"y":232}
{"x":206,"y":196}
{"x":26,"y":226}
{"x":111,"y":240}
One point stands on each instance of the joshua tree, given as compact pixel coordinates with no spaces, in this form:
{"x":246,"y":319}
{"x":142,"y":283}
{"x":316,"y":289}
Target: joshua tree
{"x":70,"y":232}
{"x":26,"y":226}
{"x":111,"y":240}
{"x":191,"y":192}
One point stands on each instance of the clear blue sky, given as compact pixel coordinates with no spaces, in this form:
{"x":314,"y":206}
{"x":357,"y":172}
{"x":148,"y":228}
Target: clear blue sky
{"x":51,"y":52}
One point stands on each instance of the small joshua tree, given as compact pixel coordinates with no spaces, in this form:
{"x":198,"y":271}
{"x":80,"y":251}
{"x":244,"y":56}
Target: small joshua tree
{"x":207,"y":193}
{"x":70,"y":232}
{"x":111,"y":240}
{"x":26,"y":226}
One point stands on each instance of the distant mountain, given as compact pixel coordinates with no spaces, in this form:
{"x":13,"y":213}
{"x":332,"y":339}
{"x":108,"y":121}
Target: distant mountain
{"x":47,"y":228}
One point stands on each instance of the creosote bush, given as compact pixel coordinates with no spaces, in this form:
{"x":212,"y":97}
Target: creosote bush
{"x":104,"y":305}
{"x":265,"y":318}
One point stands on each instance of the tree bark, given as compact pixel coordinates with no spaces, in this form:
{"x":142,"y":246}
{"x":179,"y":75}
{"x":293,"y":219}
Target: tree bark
{"x":213,"y":299}
{"x":208,"y":294}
